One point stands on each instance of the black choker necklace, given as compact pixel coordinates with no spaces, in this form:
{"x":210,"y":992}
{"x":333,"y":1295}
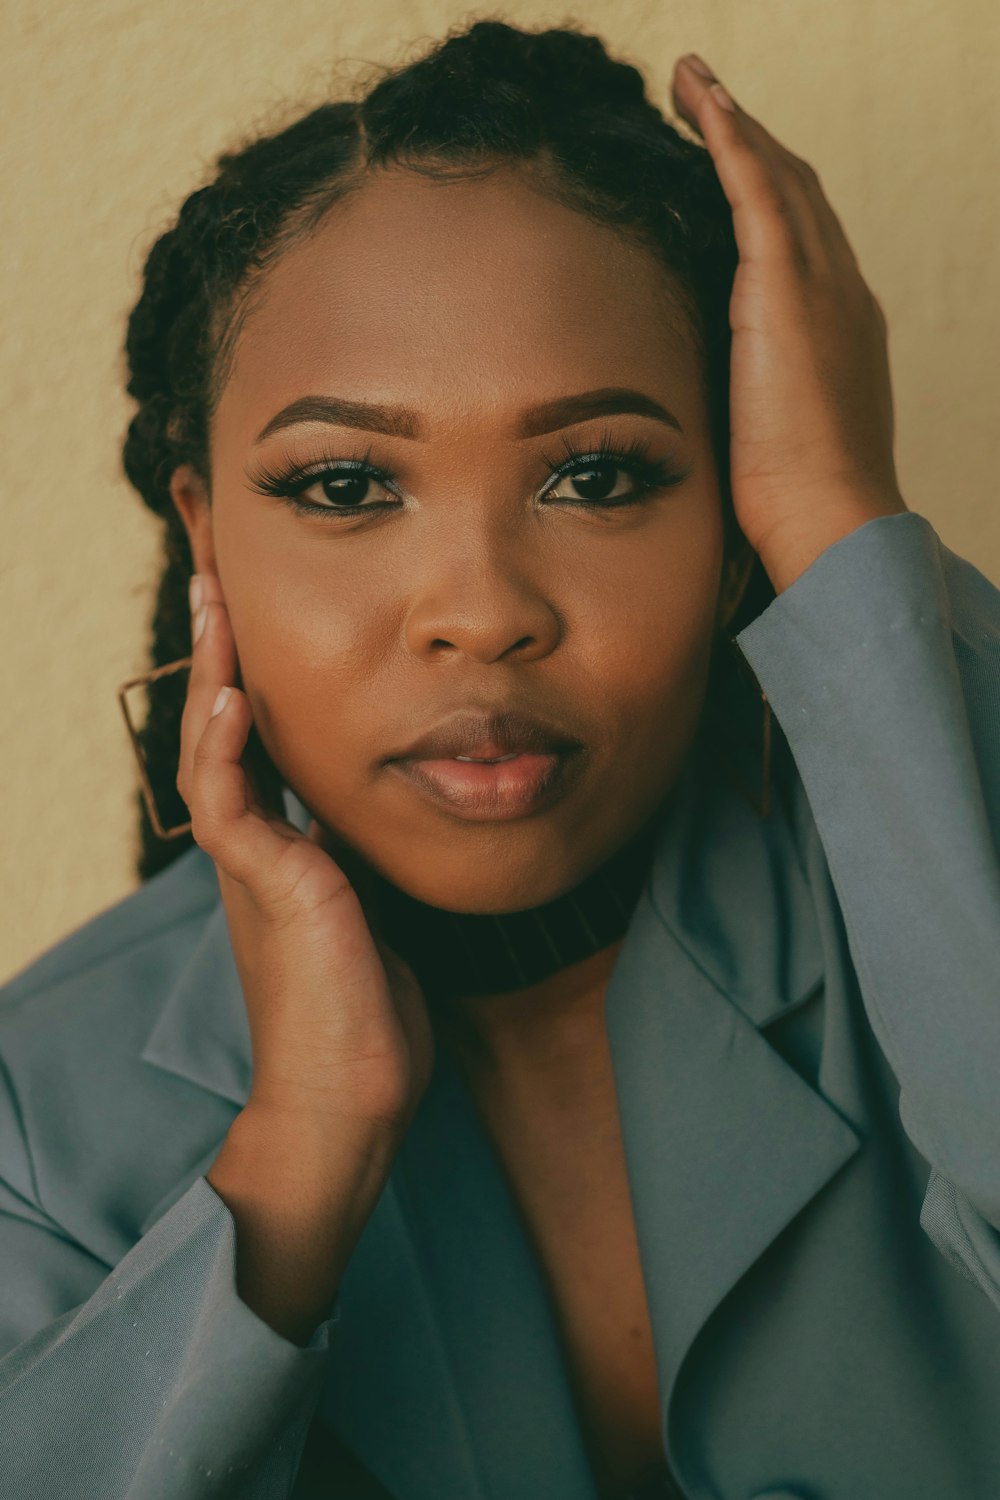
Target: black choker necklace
{"x":465,"y":953}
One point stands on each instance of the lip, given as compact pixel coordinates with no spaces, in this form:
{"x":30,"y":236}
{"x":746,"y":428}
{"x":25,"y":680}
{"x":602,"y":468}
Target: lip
{"x":516,"y":788}
{"x":487,"y":735}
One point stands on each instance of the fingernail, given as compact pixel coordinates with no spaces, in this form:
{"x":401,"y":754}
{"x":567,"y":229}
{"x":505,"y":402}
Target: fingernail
{"x":722,"y":98}
{"x":222,"y":698}
{"x":697,"y":65}
{"x":199,"y":621}
{"x":194,"y":592}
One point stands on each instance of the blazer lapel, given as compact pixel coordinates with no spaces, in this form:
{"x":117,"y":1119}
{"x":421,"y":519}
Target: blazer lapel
{"x":725,"y":1142}
{"x":446,"y":1372}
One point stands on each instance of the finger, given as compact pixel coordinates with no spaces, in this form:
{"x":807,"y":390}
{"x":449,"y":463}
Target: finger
{"x":266,"y":782}
{"x":778,"y":203}
{"x":202,"y":587}
{"x":772,"y":213}
{"x":224,"y":819}
{"x":213,"y":665}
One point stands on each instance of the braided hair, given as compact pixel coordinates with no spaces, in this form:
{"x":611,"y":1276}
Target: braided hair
{"x":553,"y":100}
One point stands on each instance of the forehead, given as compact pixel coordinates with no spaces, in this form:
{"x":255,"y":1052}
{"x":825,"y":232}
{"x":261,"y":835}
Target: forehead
{"x":456,"y":296}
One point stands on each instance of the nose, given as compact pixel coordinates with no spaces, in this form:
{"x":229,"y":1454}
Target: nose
{"x":488,"y":611}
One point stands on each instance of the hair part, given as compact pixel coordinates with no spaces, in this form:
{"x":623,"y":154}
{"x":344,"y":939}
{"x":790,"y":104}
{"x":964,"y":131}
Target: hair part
{"x":553,"y":102}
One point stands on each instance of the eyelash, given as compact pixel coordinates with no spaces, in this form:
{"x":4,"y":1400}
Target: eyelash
{"x":287,"y":483}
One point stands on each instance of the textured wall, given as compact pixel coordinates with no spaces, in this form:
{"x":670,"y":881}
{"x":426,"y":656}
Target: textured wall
{"x":112,"y":110}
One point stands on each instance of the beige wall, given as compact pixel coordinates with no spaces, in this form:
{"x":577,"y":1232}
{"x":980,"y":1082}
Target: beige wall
{"x":111,"y":110}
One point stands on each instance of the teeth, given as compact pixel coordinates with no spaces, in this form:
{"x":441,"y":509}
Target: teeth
{"x":496,"y":762}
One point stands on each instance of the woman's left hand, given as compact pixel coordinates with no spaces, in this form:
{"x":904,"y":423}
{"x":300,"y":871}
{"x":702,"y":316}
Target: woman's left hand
{"x":811,"y":415}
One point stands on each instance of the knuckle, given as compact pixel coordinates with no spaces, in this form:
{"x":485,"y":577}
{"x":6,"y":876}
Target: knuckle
{"x":201,"y":826}
{"x":797,"y":262}
{"x":206,"y":830}
{"x":777,"y":201}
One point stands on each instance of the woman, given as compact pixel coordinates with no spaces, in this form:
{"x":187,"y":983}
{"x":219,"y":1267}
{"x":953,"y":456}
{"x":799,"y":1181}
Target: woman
{"x":498,"y":1094}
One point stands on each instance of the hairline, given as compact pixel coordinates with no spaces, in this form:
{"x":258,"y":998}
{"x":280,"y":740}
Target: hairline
{"x":542,"y":169}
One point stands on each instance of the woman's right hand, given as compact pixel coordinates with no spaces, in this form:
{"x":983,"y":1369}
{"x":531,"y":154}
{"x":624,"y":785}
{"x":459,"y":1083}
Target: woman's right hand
{"x":338,"y":1024}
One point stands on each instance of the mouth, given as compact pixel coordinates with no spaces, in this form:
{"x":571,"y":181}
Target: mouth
{"x":491,"y":766}
{"x":515,"y":785}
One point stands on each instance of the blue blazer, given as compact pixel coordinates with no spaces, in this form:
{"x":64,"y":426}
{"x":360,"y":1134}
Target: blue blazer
{"x":804,"y":1021}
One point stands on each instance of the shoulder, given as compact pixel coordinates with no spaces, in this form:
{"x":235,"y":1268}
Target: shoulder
{"x":186,"y":888}
{"x":80,"y":1116}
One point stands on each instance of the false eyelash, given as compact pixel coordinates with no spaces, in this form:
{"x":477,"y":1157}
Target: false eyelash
{"x":652,"y":474}
{"x":288,"y":481}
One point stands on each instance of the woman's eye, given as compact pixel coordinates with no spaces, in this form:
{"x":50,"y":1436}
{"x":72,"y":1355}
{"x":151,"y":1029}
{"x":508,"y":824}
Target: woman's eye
{"x":337,"y":489}
{"x":595,"y":482}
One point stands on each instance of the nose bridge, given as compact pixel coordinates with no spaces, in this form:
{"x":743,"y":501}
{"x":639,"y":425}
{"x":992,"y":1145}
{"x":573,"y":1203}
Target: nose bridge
{"x":481,"y":590}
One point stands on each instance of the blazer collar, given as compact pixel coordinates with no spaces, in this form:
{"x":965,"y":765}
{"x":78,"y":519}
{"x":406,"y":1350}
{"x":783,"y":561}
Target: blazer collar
{"x":446,"y":1375}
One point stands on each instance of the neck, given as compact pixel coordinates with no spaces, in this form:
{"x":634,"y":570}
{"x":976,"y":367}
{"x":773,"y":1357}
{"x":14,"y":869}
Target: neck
{"x":520,"y":984}
{"x":470,"y":957}
{"x":537,"y":1027}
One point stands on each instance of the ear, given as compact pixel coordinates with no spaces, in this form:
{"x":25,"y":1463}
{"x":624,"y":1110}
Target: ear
{"x":189,"y":493}
{"x":735,"y":577}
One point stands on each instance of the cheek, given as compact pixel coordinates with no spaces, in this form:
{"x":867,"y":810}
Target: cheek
{"x":647,"y":629}
{"x":301,"y":606}
{"x":309,"y":650}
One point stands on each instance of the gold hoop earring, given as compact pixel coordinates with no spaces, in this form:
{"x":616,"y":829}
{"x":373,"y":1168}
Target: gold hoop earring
{"x":147,"y":789}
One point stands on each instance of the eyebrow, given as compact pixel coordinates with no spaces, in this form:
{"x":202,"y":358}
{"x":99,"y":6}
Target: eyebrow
{"x":402,"y":421}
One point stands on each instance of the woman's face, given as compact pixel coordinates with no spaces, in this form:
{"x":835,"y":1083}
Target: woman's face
{"x":472,"y":582}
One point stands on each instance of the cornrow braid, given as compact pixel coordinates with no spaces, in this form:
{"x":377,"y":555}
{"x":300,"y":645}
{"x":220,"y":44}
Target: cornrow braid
{"x":554,"y":100}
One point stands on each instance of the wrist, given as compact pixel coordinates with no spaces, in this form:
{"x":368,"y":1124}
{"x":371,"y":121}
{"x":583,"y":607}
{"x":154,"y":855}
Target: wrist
{"x":313,"y":1162}
{"x":787,"y":554}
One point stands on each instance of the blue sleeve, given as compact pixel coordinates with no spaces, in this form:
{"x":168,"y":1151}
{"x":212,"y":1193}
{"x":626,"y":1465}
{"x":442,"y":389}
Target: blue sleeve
{"x":151,"y":1380}
{"x":881,"y":663}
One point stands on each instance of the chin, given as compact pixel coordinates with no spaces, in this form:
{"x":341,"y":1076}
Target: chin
{"x":485,"y":891}
{"x":492,"y":882}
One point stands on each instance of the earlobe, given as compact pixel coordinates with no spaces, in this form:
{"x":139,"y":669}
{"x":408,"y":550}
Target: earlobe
{"x":189,"y":493}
